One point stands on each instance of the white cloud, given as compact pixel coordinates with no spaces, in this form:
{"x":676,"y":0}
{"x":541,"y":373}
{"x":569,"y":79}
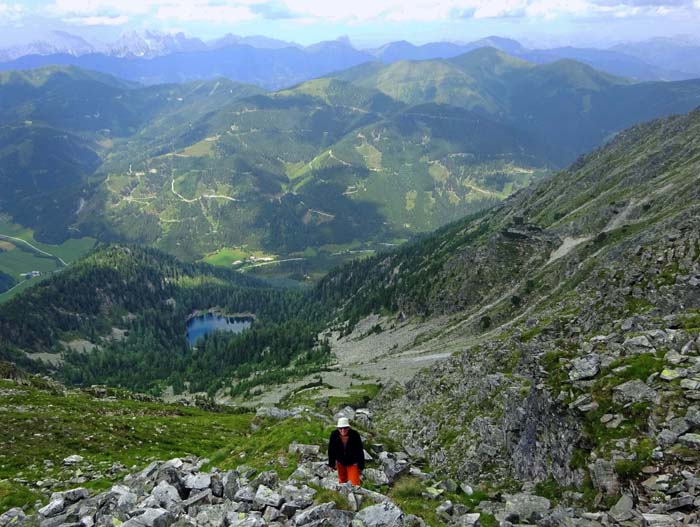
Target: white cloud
{"x":186,"y":11}
{"x":101,"y":7}
{"x":432,"y":11}
{"x":553,"y":8}
{"x":98,"y":20}
{"x":505,"y":8}
{"x":10,"y":12}
{"x":359,"y":11}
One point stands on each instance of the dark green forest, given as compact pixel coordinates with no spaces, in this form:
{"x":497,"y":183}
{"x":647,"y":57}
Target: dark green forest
{"x":6,"y":281}
{"x":363,"y":286}
{"x":149,"y":296}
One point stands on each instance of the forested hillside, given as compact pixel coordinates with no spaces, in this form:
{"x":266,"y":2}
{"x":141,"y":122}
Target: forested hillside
{"x":130,"y":306}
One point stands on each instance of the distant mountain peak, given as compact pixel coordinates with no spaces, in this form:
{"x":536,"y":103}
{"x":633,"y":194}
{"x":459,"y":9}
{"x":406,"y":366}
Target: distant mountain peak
{"x":153,"y":43}
{"x":489,"y":57}
{"x":256,"y":41}
{"x":508,"y":45}
{"x":54,"y":42}
{"x":339,"y":43}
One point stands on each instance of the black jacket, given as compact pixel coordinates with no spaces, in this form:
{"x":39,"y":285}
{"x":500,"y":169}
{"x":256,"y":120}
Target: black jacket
{"x":350,"y":454}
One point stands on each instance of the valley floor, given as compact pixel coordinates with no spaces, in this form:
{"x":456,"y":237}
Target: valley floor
{"x":367,"y":356}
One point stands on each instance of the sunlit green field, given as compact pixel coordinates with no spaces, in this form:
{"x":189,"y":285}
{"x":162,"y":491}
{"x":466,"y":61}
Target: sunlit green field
{"x":17,"y":257}
{"x":226,"y":256}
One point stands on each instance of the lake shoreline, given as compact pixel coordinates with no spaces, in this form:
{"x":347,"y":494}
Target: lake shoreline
{"x":218,"y":311}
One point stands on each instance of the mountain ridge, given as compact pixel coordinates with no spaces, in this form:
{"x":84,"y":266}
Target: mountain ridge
{"x":312,"y":173}
{"x":157,"y":58}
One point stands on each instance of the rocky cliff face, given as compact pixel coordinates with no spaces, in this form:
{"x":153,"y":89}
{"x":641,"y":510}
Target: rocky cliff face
{"x":582,"y":365}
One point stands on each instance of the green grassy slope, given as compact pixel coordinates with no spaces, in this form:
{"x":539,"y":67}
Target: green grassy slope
{"x":45,"y":423}
{"x":647,"y":175}
{"x":290,"y":171}
{"x":566,"y":103}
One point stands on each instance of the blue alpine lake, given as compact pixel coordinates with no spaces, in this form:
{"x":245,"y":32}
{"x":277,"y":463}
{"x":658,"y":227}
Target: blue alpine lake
{"x":202,"y":325}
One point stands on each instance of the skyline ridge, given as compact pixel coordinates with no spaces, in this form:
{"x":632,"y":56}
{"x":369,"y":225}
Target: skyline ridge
{"x":546,"y":22}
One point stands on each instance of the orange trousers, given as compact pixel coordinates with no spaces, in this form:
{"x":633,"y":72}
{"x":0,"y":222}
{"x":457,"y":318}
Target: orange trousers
{"x":351,"y":473}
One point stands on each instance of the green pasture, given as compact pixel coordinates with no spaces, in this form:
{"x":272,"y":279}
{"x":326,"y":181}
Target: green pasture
{"x":17,"y":257}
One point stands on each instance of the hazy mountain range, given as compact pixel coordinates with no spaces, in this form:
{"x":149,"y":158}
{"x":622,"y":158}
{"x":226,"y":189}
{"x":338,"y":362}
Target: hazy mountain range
{"x":153,"y":58}
{"x":147,"y":44}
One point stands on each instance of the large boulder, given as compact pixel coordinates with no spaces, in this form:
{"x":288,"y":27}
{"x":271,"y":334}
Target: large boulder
{"x":166,"y":496}
{"x":312,"y":514}
{"x":660,"y":520}
{"x":54,"y":508}
{"x":269,"y":478}
{"x":12,"y":517}
{"x":384,"y":514}
{"x":231,"y":484}
{"x":348,"y":412}
{"x":622,"y":510}
{"x":203,"y":497}
{"x":151,"y":518}
{"x":266,"y":497}
{"x":299,"y":497}
{"x":584,"y":367}
{"x":634,"y":391}
{"x":120,"y":499}
{"x":75,"y":459}
{"x":604,"y":477}
{"x":197,"y":481}
{"x":242,"y":519}
{"x":690,"y":440}
{"x":692,"y":416}
{"x":638,"y":345}
{"x":211,"y":515}
{"x":217,"y":485}
{"x":72,"y":495}
{"x":374,"y":476}
{"x":525,"y":508}
{"x":245,"y":494}
{"x":393,"y":467}
{"x":468,"y":520}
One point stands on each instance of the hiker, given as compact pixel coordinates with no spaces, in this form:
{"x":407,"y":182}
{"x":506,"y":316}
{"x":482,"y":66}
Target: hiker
{"x":345,"y":453}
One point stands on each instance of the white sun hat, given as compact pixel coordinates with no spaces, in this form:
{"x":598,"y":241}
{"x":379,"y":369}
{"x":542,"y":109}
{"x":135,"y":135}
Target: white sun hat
{"x":343,"y":422}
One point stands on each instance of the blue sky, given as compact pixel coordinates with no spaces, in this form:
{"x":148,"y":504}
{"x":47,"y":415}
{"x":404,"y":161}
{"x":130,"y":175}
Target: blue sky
{"x":366,"y":22}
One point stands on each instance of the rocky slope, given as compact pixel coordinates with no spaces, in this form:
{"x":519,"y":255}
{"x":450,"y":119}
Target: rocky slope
{"x":45,"y":481}
{"x":182,"y":492}
{"x":574,"y":317}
